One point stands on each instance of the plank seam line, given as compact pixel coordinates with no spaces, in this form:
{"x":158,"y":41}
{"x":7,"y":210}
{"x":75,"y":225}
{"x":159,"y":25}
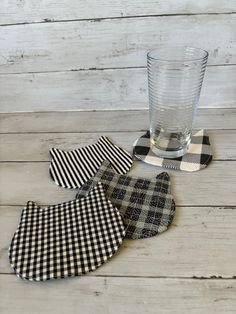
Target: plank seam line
{"x":112,"y":111}
{"x":212,"y":278}
{"x":178,"y":206}
{"x":94,"y":132}
{"x":98,"y":69}
{"x":99,"y":19}
{"x":45,"y":161}
{"x":233,"y":109}
{"x":86,"y":69}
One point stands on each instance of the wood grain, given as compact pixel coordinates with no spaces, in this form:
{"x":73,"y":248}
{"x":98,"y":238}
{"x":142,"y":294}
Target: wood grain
{"x":104,"y":121}
{"x":32,"y":147}
{"x":118,"y":295}
{"x":187,"y":249}
{"x":188,"y":269}
{"x":112,"y":43}
{"x":108,"y":89}
{"x":27,"y":11}
{"x":22,"y":181}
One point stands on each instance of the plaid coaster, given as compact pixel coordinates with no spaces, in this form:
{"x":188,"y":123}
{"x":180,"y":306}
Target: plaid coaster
{"x":147,"y":206}
{"x":198,"y":155}
{"x":71,"y":169}
{"x":67,"y":239}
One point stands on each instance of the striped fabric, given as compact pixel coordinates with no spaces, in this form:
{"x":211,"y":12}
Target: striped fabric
{"x":71,"y":169}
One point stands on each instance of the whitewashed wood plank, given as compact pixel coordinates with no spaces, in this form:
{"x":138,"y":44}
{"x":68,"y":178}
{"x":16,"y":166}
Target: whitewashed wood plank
{"x":89,"y":295}
{"x":215,"y":91}
{"x":102,"y":89}
{"x":112,"y":43}
{"x":27,"y":11}
{"x":214,"y":185}
{"x":35,"y":147}
{"x":103,"y":121}
{"x":200,"y":243}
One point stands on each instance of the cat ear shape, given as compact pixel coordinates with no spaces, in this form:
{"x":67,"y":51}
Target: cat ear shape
{"x":30,"y":207}
{"x":71,"y":169}
{"x":32,"y":204}
{"x":163,"y":183}
{"x":198,"y":156}
{"x":67,"y":239}
{"x":147,"y":206}
{"x":163,"y":176}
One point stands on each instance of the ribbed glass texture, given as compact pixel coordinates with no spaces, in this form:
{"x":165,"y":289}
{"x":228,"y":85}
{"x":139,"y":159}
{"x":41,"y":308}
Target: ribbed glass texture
{"x":175,"y":76}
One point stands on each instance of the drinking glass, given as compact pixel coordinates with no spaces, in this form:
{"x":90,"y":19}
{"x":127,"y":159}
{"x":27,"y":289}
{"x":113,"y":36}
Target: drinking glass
{"x":175,"y":76}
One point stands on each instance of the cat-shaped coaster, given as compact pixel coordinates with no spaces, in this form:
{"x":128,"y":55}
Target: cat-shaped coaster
{"x":67,"y":239}
{"x":197,"y":157}
{"x":146,"y":206}
{"x":71,"y":169}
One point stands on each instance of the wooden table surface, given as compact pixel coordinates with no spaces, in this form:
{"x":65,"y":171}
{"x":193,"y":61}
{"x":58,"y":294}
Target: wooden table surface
{"x":191,"y":268}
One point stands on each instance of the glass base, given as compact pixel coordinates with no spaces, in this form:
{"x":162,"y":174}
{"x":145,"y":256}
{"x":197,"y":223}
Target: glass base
{"x":170,"y":144}
{"x":169,"y":154}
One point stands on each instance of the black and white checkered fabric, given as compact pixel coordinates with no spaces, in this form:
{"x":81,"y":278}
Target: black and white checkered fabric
{"x":71,"y":169}
{"x":67,"y":239}
{"x":147,"y":206}
{"x":197,"y":157}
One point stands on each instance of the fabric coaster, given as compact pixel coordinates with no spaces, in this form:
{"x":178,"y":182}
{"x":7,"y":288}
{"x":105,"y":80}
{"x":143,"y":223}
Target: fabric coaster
{"x":198,"y":155}
{"x":71,"y":169}
{"x":67,"y":239}
{"x":146,"y":205}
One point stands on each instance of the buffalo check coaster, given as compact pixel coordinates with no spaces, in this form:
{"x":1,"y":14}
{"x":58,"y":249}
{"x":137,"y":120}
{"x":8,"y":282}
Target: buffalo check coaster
{"x":197,"y":157}
{"x":146,"y":206}
{"x":67,"y":239}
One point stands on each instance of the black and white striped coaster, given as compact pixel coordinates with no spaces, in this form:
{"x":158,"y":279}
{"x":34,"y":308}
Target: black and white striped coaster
{"x":71,"y":169}
{"x":68,"y":239}
{"x":197,"y":157}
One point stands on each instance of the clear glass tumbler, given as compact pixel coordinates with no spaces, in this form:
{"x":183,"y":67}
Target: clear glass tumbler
{"x":175,"y":76}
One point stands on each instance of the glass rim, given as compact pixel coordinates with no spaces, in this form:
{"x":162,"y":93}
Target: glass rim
{"x":205,"y":54}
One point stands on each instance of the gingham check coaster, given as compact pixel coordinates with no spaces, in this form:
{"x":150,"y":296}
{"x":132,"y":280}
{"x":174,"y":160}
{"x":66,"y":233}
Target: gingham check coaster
{"x":71,"y":169}
{"x":147,"y":206}
{"x":67,"y":239}
{"x":198,"y":155}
